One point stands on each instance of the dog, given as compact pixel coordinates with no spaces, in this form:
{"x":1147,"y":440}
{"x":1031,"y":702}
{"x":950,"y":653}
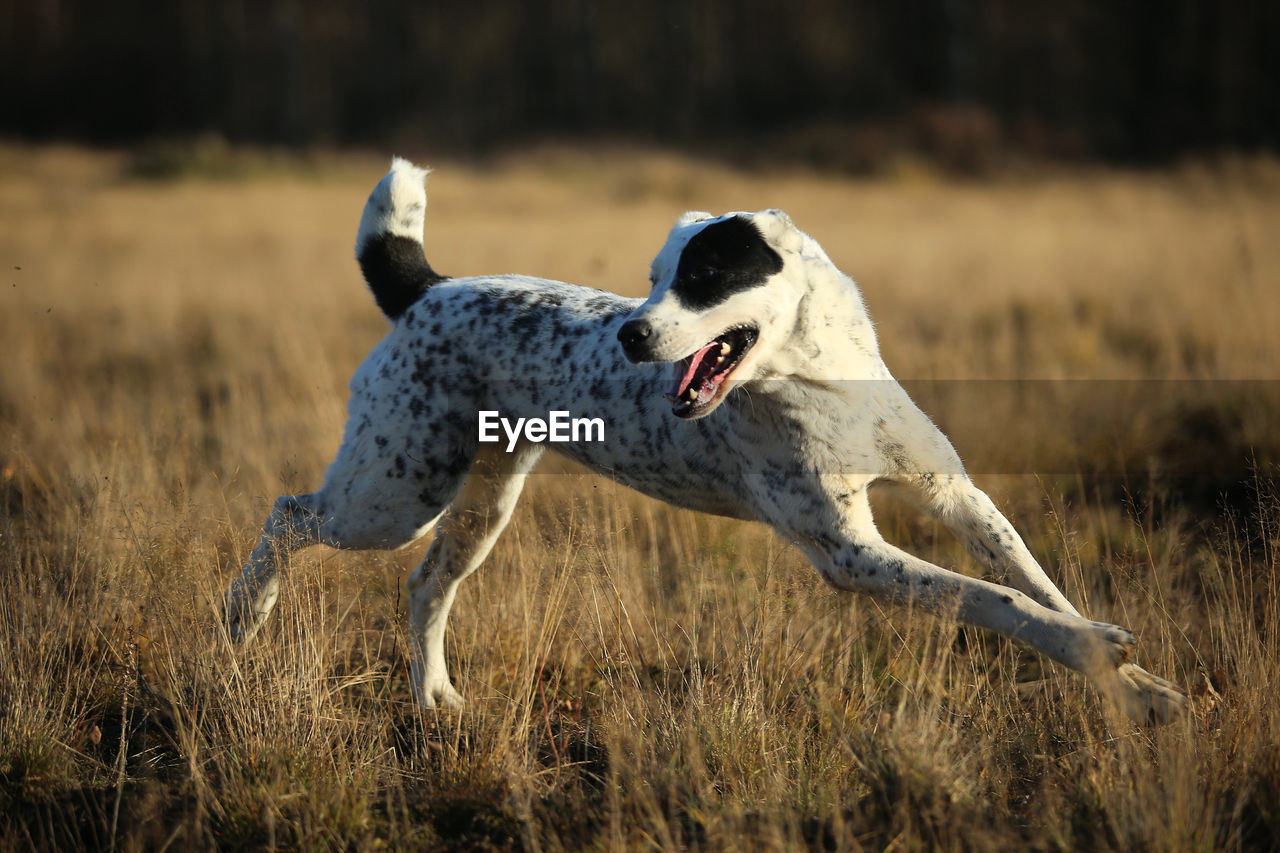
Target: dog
{"x":749,"y":384}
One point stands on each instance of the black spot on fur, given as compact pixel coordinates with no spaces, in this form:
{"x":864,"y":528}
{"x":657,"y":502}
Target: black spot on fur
{"x":397,"y":272}
{"x":525,"y":324}
{"x":725,"y":258}
{"x":549,"y":299}
{"x":457,"y":465}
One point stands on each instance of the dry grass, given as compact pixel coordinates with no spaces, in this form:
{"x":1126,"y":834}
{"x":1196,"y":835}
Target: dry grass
{"x":176,"y":356}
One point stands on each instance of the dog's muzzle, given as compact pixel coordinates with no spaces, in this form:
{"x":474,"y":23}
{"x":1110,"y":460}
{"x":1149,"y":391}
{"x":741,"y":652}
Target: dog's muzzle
{"x":636,"y":337}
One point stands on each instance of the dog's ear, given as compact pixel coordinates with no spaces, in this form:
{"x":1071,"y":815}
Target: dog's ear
{"x":691,"y":217}
{"x":779,"y":230}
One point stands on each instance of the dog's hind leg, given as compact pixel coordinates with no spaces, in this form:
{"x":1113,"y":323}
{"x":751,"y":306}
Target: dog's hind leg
{"x":293,"y":524}
{"x":463,"y":539}
{"x":298,"y":522}
{"x":368,"y":502}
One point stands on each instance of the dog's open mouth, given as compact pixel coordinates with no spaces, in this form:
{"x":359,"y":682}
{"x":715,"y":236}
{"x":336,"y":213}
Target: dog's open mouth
{"x":701,"y":379}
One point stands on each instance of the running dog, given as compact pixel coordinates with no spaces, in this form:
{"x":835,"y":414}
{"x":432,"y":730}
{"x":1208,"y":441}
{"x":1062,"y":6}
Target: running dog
{"x":749,"y":384}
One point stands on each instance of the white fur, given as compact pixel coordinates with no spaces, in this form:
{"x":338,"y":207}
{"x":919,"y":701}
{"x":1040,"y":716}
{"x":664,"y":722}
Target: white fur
{"x":397,"y":205}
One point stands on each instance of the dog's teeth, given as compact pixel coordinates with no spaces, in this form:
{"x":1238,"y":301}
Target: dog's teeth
{"x":724,"y":348}
{"x":719,"y":361}
{"x":691,"y":394}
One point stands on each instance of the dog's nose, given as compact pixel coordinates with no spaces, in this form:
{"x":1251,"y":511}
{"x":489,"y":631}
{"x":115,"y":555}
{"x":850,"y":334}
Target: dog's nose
{"x":633,"y":336}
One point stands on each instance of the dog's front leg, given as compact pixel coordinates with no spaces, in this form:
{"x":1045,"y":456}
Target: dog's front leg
{"x":866,"y":563}
{"x":926,"y":471}
{"x":973,"y":518}
{"x":877,"y":568}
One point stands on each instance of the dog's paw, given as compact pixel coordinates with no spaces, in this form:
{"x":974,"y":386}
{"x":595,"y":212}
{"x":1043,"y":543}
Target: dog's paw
{"x":1110,"y":647}
{"x":246,"y":613}
{"x":1144,"y":698}
{"x":439,"y":696}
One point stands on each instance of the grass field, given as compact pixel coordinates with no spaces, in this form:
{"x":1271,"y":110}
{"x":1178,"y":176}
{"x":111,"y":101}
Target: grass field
{"x":176,"y":352}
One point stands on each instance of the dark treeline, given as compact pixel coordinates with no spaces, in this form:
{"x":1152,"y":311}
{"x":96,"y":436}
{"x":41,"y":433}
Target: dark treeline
{"x":1140,"y":80}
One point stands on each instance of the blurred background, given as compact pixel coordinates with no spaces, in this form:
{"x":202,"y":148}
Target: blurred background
{"x":845,"y":84}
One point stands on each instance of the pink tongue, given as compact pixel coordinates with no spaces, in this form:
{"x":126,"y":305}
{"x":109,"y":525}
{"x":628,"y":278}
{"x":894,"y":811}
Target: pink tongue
{"x":694,"y":360}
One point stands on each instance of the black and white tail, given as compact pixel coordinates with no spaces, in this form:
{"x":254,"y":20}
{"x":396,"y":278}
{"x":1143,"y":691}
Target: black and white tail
{"x":389,"y":242}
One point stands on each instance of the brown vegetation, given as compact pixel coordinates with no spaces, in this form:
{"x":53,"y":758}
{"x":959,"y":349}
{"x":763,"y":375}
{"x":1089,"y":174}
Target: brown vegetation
{"x":176,"y":356}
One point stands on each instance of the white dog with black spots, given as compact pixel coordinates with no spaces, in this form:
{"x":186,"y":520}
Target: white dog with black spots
{"x":749,"y":384}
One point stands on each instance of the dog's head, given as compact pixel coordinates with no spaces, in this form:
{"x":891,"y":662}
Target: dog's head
{"x":725,"y":295}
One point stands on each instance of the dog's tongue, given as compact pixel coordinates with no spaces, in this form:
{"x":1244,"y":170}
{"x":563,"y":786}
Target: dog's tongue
{"x":683,"y":382}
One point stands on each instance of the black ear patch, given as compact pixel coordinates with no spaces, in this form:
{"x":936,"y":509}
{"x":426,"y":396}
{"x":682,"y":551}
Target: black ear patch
{"x":725,"y":258}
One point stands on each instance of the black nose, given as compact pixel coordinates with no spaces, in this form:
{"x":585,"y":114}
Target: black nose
{"x":633,"y":336}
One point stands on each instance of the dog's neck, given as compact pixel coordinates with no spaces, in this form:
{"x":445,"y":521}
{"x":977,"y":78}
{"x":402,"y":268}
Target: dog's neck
{"x":832,"y":340}
{"x":824,"y":378}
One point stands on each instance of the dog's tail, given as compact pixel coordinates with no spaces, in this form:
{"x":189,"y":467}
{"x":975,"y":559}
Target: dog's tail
{"x":389,"y":242}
